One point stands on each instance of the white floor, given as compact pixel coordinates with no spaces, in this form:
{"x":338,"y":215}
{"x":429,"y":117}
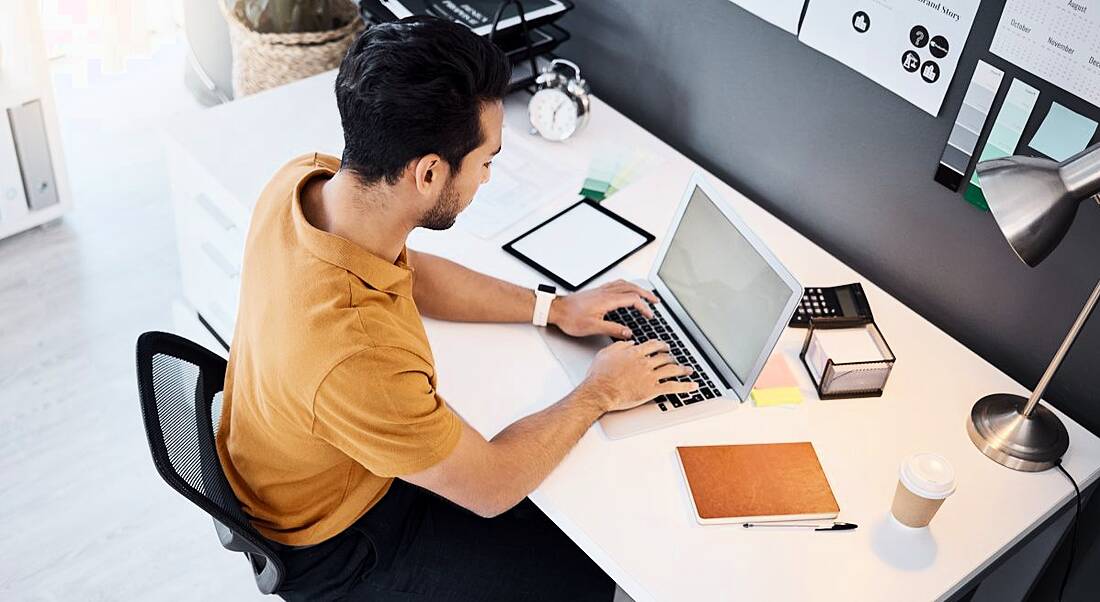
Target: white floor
{"x":83,"y":514}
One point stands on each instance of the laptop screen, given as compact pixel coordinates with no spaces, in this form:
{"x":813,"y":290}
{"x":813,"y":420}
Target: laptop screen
{"x":726,"y":287}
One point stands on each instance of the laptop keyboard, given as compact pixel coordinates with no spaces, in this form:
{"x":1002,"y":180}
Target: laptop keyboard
{"x":646,"y":329}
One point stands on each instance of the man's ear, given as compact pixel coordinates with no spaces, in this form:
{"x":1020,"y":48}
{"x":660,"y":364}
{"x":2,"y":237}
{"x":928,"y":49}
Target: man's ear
{"x":429,"y":173}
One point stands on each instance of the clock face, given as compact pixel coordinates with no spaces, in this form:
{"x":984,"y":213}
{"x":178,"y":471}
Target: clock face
{"x":553,"y":113}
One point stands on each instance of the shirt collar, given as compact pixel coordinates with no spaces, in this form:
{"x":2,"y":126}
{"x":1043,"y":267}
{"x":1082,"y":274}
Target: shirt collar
{"x":378,"y":273}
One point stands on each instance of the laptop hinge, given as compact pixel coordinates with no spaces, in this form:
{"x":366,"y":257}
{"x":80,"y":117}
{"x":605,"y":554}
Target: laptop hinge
{"x":692,"y":339}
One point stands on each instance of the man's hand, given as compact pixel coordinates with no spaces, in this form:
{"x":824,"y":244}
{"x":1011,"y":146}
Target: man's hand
{"x":581,"y":314}
{"x":625,"y":375}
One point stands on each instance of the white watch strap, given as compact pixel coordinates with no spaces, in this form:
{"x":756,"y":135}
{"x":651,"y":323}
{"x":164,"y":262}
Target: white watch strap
{"x":543,"y":299}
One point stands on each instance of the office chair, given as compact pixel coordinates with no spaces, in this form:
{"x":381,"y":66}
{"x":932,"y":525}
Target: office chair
{"x":180,"y":385}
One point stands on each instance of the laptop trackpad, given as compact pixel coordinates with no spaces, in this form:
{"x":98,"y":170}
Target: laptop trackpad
{"x":575,"y":355}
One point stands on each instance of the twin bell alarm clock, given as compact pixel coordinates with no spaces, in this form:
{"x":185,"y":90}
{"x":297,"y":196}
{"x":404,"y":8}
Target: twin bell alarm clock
{"x":561,"y":104}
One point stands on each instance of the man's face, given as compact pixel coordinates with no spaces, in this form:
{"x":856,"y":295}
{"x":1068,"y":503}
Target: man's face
{"x":461,"y":187}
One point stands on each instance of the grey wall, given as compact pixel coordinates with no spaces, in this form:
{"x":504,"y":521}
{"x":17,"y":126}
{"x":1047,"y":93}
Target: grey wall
{"x":850,"y":165}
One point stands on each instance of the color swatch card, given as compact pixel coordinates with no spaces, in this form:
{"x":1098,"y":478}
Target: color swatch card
{"x":969,"y":125}
{"x":1005,"y":135}
{"x":909,"y":47}
{"x":611,"y":170}
{"x":1063,"y":133}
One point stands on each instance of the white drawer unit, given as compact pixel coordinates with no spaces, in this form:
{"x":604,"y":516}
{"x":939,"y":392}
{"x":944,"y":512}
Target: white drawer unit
{"x":210,"y":230}
{"x":220,"y":159}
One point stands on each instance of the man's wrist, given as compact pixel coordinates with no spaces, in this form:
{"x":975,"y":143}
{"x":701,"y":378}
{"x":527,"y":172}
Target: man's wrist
{"x":592,"y":396}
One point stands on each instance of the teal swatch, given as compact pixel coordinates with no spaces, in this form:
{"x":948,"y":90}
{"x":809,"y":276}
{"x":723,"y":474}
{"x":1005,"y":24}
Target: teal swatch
{"x":1063,"y":134}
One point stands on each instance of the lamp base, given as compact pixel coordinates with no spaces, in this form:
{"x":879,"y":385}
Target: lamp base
{"x":1026,"y":443}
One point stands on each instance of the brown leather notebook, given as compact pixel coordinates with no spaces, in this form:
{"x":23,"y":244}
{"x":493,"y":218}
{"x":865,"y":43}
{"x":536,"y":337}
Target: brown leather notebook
{"x":757,"y":483}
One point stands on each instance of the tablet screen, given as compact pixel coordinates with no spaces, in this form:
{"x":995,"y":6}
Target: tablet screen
{"x":579,"y":244}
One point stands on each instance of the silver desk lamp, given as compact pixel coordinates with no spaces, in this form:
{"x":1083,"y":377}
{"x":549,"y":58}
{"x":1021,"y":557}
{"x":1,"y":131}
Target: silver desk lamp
{"x":1034,"y":202}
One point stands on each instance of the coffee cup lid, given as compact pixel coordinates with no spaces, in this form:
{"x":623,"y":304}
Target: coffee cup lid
{"x":928,"y":475}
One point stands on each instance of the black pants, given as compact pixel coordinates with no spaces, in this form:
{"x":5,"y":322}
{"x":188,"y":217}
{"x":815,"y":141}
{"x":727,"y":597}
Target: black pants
{"x":415,"y":545}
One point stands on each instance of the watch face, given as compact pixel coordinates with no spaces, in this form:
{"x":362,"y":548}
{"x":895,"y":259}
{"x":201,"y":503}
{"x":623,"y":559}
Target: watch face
{"x":553,"y":113}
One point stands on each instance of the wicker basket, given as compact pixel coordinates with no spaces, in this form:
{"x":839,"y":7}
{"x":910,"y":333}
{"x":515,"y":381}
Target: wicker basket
{"x":266,"y":60}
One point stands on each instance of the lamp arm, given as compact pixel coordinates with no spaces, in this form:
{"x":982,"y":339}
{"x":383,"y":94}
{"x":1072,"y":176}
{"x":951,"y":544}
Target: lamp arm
{"x":1086,"y":311}
{"x":1081,"y":173}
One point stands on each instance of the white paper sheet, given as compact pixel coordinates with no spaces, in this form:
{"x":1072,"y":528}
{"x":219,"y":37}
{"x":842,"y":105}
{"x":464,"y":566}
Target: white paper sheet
{"x":781,"y":13}
{"x":910,"y":47}
{"x":512,"y":192}
{"x":1057,"y":41}
{"x":846,"y":345}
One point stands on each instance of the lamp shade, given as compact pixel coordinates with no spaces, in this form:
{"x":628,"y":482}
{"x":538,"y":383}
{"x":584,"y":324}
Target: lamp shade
{"x":1035,"y":200}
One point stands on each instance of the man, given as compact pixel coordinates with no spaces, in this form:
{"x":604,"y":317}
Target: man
{"x":332,"y":433}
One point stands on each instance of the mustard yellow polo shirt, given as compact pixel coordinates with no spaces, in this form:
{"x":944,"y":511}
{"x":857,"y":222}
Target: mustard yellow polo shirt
{"x":331,"y":386}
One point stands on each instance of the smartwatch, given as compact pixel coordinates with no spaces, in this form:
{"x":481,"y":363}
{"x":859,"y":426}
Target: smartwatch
{"x":544,"y":296}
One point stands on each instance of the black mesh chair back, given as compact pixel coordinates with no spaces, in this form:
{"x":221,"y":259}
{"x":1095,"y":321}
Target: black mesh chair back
{"x":180,"y":384}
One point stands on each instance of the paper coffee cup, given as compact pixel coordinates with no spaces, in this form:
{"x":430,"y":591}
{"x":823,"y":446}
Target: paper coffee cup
{"x":924,"y":482}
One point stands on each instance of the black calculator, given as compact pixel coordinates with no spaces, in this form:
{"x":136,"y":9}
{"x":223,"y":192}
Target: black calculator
{"x":847,"y":301}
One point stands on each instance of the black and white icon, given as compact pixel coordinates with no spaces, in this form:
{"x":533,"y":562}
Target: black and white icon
{"x":930,"y":72}
{"x":861,"y":22}
{"x":938,"y":47}
{"x":910,"y":61}
{"x":918,"y":36}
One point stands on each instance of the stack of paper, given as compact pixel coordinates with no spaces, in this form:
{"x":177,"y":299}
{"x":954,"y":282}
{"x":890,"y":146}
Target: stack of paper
{"x":776,"y":385}
{"x":517,"y":187}
{"x":845,"y":346}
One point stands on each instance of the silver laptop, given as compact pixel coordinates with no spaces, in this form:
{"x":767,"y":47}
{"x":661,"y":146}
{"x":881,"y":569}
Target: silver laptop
{"x":725,"y":300}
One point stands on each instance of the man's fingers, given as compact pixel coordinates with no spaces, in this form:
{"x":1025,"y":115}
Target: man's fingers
{"x":672,"y":371}
{"x":652,"y":346}
{"x":615,"y":331}
{"x":640,"y":305}
{"x":641,"y":292}
{"x":622,"y":286}
{"x":660,"y":359}
{"x":675,"y":386}
{"x":619,"y":300}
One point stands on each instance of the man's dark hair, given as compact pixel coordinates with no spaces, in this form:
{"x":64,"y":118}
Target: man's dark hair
{"x":414,"y":87}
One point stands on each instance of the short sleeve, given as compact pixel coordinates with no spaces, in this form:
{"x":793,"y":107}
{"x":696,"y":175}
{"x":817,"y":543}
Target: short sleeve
{"x":379,"y":407}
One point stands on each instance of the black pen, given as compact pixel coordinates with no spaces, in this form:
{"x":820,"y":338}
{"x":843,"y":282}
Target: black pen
{"x":827,"y":527}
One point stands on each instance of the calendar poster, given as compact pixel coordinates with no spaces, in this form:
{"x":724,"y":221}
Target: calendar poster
{"x":1056,"y":41}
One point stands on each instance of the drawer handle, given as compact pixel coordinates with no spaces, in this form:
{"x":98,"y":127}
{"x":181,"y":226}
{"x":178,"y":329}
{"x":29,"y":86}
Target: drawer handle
{"x":213,"y":211}
{"x":223,"y":263}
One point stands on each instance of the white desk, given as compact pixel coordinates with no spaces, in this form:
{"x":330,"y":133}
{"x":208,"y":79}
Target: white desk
{"x":623,"y":501}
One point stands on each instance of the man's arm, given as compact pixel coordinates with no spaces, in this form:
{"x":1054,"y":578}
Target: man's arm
{"x":446,"y":290}
{"x":489,"y":477}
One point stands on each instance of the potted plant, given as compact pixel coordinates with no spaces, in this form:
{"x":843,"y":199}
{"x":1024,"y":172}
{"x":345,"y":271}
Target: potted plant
{"x":279,"y":41}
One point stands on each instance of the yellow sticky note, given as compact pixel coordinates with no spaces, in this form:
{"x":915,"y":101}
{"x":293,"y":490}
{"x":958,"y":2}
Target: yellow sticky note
{"x":776,"y":396}
{"x":776,"y":384}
